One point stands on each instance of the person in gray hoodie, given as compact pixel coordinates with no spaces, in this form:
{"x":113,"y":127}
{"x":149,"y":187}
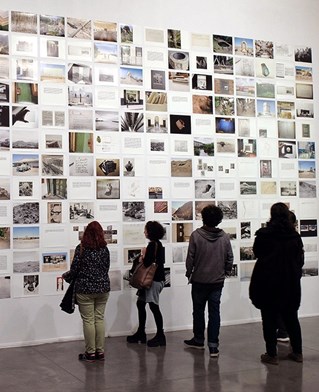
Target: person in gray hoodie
{"x":209,"y":260}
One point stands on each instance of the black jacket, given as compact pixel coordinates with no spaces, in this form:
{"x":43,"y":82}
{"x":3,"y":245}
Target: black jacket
{"x":275,"y":280}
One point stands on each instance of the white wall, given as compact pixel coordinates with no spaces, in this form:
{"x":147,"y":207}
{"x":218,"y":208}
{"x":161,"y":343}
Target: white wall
{"x":38,"y":319}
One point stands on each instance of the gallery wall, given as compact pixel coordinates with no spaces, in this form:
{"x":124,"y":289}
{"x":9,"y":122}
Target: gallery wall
{"x":125,"y":114}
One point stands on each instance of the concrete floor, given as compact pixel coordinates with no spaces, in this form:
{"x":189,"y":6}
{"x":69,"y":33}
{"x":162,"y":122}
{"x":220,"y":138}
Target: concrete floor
{"x":55,"y":367}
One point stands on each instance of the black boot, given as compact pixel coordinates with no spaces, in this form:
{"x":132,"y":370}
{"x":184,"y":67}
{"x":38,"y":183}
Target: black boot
{"x":158,"y":340}
{"x":138,"y":337}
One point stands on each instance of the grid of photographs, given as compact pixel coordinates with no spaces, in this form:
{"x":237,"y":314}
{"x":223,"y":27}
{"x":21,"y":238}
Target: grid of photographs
{"x":123,"y":124}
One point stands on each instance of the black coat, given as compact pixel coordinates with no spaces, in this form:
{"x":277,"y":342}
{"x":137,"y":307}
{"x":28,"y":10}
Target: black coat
{"x":275,"y":280}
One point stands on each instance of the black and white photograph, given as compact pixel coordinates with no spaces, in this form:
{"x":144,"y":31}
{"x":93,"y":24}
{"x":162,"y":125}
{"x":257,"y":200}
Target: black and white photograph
{"x":79,"y":28}
{"x":31,"y":284}
{"x":248,"y":188}
{"x":131,"y":55}
{"x":202,"y":82}
{"x":304,"y":91}
{"x":52,"y":25}
{"x":24,"y":140}
{"x":25,"y":188}
{"x":158,"y":80}
{"x":204,"y":189}
{"x":80,"y":74}
{"x":4,"y":140}
{"x":4,"y":91}
{"x":52,"y":262}
{"x":178,"y":60}
{"x":80,"y":96}
{"x":25,"y":69}
{"x":245,"y":230}
{"x":265,"y":168}
{"x":229,"y":208}
{"x":107,"y":189}
{"x":54,"y":188}
{"x":156,"y":122}
{"x":81,"y":212}
{"x":246,"y":253}
{"x":132,"y":122}
{"x":286,"y":129}
{"x":52,"y":165}
{"x":303,"y":54}
{"x":26,"y":262}
{"x":304,"y":109}
{"x":54,"y":210}
{"x":287,"y":149}
{"x":106,"y":120}
{"x":288,"y":188}
{"x":307,"y":189}
{"x":308,"y":227}
{"x":24,"y":22}
{"x":223,"y":44}
{"x":247,"y":148}
{"x":132,"y":99}
{"x":133,"y":211}
{"x":25,"y":116}
{"x":105,"y":31}
{"x":224,"y":65}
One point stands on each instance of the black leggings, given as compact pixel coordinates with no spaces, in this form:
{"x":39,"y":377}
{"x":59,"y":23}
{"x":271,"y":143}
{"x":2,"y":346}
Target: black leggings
{"x":141,"y":307}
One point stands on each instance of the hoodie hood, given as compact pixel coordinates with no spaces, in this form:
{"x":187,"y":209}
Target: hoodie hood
{"x":210,"y":234}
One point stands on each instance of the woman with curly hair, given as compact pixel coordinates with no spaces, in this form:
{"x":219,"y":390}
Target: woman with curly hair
{"x":154,"y":232}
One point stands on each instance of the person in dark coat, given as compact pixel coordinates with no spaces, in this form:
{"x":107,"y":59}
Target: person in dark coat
{"x":275,"y":283}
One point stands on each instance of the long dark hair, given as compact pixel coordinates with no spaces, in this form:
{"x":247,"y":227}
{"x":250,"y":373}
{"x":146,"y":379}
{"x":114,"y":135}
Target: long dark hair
{"x":280,"y":217}
{"x":93,"y":236}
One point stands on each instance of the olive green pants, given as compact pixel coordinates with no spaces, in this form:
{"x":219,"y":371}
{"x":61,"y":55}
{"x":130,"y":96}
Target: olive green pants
{"x":92,"y":308}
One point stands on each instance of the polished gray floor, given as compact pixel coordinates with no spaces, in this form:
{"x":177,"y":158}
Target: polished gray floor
{"x":54,"y":367}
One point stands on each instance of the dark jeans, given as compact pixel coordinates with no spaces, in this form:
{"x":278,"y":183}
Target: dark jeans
{"x":202,"y":294}
{"x":290,"y":318}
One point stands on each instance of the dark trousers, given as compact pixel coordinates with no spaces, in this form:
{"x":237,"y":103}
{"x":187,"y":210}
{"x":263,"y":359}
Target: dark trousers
{"x":270,"y":321}
{"x":202,"y":294}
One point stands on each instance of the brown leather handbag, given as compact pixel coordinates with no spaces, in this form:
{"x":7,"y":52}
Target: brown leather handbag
{"x":142,"y":277}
